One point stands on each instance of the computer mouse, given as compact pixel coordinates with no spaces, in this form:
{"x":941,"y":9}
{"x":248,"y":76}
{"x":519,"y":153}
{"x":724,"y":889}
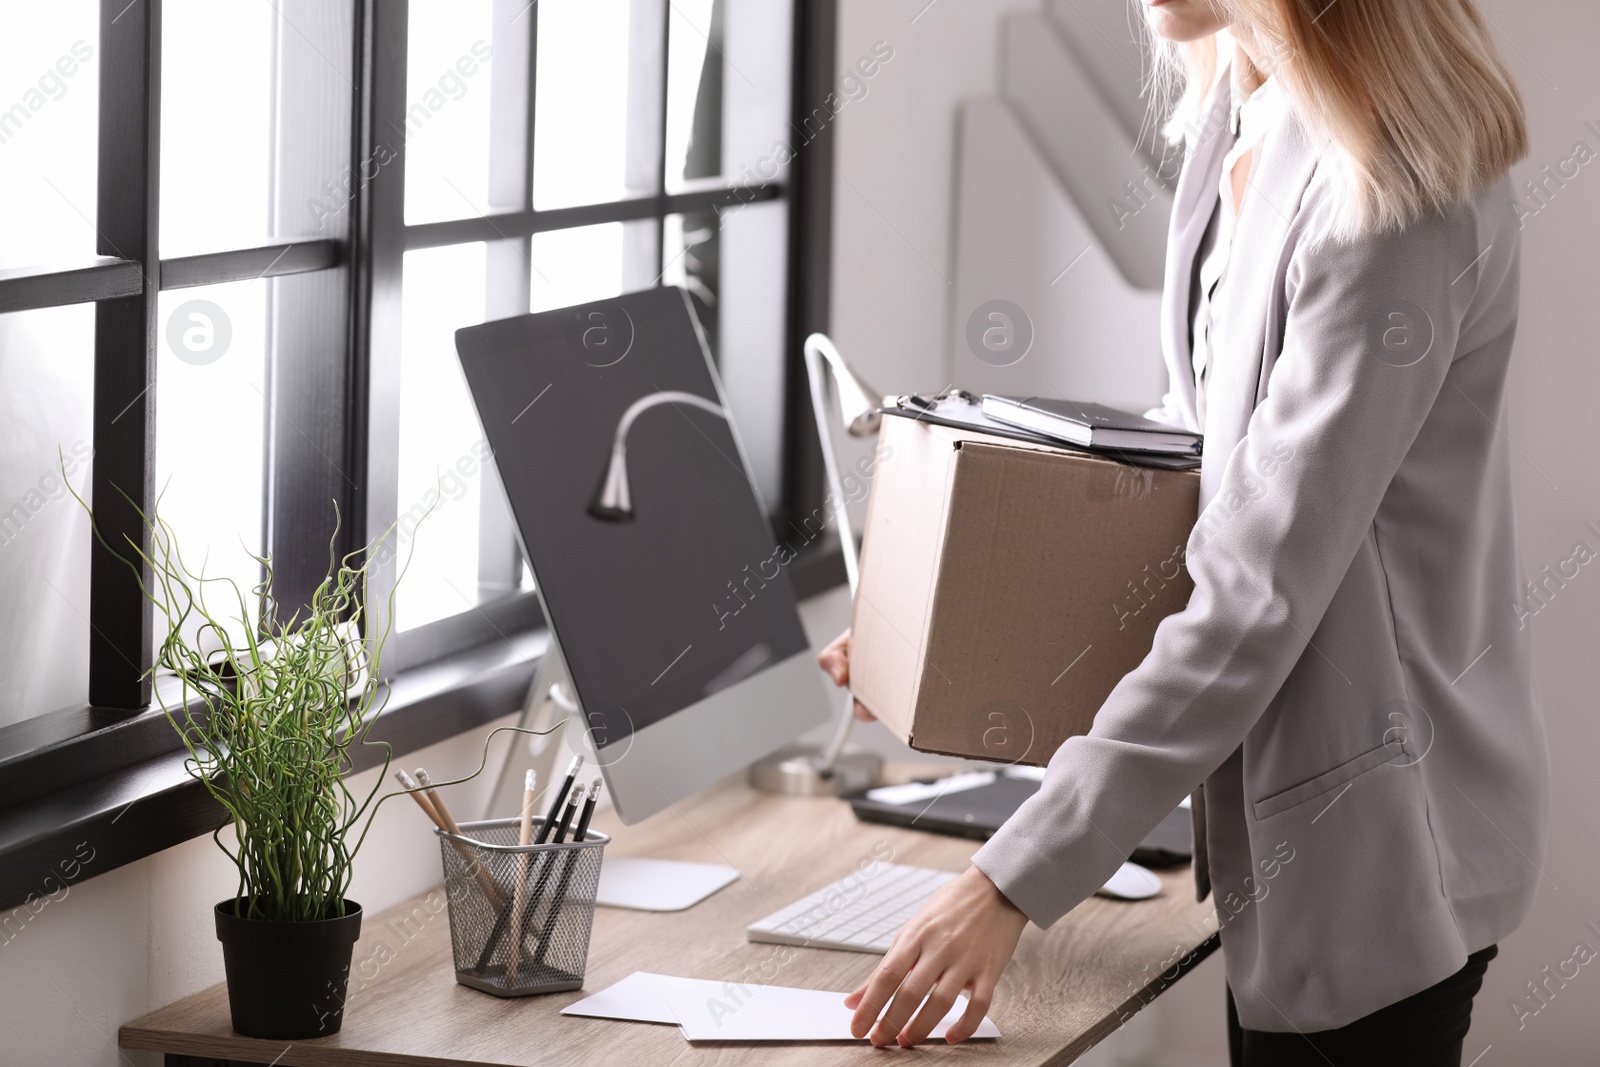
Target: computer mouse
{"x":1131,"y":882}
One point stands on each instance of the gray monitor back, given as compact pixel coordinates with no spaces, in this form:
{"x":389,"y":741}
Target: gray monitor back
{"x":656,"y":566}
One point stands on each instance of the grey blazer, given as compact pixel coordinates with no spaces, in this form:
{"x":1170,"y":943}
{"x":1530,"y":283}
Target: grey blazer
{"x":1351,"y":678}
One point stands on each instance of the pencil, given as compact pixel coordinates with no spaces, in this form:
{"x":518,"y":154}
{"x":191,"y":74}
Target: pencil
{"x":410,"y":786}
{"x":567,"y":815}
{"x":431,"y":803}
{"x":530,"y":796}
{"x":580,"y":834}
{"x":437,"y":801}
{"x":561,"y":795}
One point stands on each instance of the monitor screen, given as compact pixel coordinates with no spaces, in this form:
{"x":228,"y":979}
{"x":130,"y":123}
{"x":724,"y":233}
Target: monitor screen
{"x":660,"y":574}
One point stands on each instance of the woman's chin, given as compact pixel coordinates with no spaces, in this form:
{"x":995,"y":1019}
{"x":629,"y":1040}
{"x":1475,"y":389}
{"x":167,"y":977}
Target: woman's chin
{"x":1182,"y":20}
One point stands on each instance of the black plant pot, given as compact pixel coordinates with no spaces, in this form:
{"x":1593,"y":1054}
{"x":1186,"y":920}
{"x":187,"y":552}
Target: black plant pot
{"x":287,"y":980}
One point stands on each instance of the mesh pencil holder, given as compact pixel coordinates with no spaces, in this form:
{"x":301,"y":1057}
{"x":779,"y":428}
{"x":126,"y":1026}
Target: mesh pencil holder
{"x":520,"y":915}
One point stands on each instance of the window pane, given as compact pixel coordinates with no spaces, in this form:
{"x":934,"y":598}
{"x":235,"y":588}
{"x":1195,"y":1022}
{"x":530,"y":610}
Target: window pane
{"x":757,"y":139}
{"x":211,"y":390}
{"x":752,"y":243}
{"x":597,"y":113}
{"x":694,"y":92}
{"x":254,"y":123}
{"x":49,"y":103}
{"x":442,"y":449}
{"x":46,"y":398}
{"x":216,"y":125}
{"x":447,"y":109}
{"x":592,"y":263}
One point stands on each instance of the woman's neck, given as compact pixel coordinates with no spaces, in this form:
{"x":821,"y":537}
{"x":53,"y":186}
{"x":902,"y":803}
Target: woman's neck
{"x":1247,"y":69}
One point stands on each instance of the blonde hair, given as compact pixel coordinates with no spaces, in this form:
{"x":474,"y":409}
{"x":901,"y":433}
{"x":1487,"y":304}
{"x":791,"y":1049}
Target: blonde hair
{"x":1417,"y":104}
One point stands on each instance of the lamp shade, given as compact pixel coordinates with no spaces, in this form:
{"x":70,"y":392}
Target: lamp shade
{"x":614,"y":502}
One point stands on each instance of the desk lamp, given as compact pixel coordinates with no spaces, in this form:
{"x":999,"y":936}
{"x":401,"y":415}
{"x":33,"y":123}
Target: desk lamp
{"x":801,"y":770}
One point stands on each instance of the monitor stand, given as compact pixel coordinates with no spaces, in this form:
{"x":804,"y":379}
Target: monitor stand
{"x":659,"y":885}
{"x":625,"y":882}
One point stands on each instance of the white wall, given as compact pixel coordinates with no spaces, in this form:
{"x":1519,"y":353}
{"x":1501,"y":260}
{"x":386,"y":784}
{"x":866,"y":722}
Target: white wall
{"x":893,"y":239}
{"x":895,"y":168}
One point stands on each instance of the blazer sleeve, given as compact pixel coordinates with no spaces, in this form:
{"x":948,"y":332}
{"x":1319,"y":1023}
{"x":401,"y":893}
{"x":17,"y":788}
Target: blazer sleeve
{"x":1170,"y":411}
{"x":1297,"y":496}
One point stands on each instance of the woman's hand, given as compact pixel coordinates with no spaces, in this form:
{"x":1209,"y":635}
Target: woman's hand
{"x":959,"y":942}
{"x":835,"y":659}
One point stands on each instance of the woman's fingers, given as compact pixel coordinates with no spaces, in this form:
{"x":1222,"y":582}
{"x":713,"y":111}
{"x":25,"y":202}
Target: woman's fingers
{"x":933,"y":1010}
{"x":977,"y":1007}
{"x":913,"y":990}
{"x":873,"y":996}
{"x":835,"y":659}
{"x":962,"y":938}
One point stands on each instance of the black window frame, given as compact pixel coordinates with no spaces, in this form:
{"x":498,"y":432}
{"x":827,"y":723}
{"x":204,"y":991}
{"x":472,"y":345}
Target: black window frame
{"x":111,"y":772}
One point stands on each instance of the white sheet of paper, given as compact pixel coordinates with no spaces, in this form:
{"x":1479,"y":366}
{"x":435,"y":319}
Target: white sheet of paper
{"x":776,"y":1013}
{"x":912,"y":792}
{"x":636,"y":998}
{"x":707,"y":1010}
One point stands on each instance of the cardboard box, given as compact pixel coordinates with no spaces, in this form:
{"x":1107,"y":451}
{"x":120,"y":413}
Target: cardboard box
{"x":1006,"y":588}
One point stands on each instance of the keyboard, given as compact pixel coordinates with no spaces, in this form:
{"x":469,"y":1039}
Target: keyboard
{"x":861,"y":912}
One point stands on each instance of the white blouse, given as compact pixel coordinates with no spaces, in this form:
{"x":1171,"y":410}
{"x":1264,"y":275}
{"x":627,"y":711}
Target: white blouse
{"x":1249,"y":122}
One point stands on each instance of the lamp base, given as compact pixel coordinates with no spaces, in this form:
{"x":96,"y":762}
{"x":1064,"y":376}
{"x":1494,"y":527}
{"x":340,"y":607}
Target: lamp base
{"x":795,"y":772}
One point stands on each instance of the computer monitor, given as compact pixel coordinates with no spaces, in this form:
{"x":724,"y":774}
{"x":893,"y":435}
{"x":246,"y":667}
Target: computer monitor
{"x":663,"y":585}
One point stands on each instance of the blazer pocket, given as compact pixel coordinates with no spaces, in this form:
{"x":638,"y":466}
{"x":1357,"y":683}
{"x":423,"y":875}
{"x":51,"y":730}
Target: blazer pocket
{"x":1294,"y":796}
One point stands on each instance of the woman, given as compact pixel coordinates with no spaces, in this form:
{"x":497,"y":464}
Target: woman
{"x":1350,"y":679}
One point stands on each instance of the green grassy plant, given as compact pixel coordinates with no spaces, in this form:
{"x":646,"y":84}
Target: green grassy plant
{"x":271,"y":712}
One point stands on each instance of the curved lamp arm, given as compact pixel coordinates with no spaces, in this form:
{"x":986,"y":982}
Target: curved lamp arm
{"x":859,"y":421}
{"x":819,"y":347}
{"x":645,"y":403}
{"x":614,"y":502}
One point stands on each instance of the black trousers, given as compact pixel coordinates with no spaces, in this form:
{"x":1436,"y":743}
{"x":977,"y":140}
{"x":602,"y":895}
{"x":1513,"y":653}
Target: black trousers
{"x":1424,"y":1030}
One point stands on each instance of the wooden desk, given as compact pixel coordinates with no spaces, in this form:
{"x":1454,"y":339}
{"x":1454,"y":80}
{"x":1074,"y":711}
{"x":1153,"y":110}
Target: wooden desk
{"x":1066,"y":989}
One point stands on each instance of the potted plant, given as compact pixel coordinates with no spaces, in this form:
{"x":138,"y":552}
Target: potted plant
{"x":272,"y":711}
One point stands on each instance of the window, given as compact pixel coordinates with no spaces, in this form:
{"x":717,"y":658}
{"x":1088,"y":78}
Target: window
{"x":242,"y":237}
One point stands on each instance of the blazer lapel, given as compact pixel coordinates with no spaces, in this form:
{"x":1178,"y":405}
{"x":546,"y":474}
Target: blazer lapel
{"x":1250,"y":297}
